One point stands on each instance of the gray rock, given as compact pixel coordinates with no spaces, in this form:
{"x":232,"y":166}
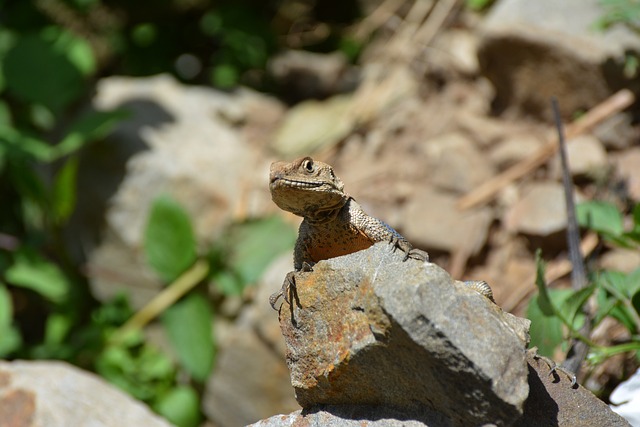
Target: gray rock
{"x":370,"y":329}
{"x":586,"y":155}
{"x":628,"y":168}
{"x":540,"y":212}
{"x":617,"y":132}
{"x":456,"y":163}
{"x":514,"y":149}
{"x":354,"y":416}
{"x":553,"y":401}
{"x":313,"y":125}
{"x":532,"y":50}
{"x":431,"y":221}
{"x":303,"y":75}
{"x":376,"y":340}
{"x":55,"y":394}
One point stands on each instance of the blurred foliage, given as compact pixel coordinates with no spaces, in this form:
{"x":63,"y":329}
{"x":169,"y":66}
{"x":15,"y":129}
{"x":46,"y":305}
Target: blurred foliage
{"x":558,"y":314}
{"x":479,"y":5}
{"x":52,"y":53}
{"x":625,"y":12}
{"x":200,"y":41}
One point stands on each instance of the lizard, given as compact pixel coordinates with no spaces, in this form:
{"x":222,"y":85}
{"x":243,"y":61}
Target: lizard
{"x":334,"y":223}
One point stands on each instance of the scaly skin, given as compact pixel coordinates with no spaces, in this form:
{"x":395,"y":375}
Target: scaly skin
{"x":334,"y":224}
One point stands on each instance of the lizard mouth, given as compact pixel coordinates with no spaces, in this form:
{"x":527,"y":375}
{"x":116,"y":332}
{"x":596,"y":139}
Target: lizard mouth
{"x":283,"y":182}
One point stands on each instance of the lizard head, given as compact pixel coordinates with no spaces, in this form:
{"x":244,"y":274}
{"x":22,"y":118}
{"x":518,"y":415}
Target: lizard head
{"x":306,"y":188}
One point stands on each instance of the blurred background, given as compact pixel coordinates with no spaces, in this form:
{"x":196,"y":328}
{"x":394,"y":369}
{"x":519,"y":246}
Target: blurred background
{"x":136,"y":139}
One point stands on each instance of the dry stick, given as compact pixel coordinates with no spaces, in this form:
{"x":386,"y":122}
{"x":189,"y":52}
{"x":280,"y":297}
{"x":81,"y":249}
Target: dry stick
{"x":554,"y":271}
{"x":183,"y":284}
{"x":441,"y":11}
{"x":614,"y":104}
{"x":578,"y":351}
{"x":377,"y":18}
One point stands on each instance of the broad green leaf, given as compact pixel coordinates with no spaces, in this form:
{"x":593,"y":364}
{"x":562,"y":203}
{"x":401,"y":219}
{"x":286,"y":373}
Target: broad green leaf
{"x":225,"y":76}
{"x":76,"y":49}
{"x":141,"y":370}
{"x":254,"y":244}
{"x":63,"y":193}
{"x":89,"y":127}
{"x":571,"y":306}
{"x":33,"y":272}
{"x":5,"y":114}
{"x":619,"y":288}
{"x":37,"y":70}
{"x":6,"y":307}
{"x":228,"y":283}
{"x":543,"y":300}
{"x":636,"y":216}
{"x":545,"y":331}
{"x":57,"y":328}
{"x":24,"y":145}
{"x":181,"y":406}
{"x":10,"y":338}
{"x":600,"y":216}
{"x":189,"y":327}
{"x":169,"y":242}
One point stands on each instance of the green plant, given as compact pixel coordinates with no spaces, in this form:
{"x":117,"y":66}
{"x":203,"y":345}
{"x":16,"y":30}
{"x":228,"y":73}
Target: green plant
{"x":626,"y":12}
{"x":557,"y":313}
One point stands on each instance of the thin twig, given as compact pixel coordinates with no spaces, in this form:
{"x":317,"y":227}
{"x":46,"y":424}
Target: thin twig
{"x":377,"y":18}
{"x":183,"y":284}
{"x":579,"y":347}
{"x":441,"y":11}
{"x":484,"y":193}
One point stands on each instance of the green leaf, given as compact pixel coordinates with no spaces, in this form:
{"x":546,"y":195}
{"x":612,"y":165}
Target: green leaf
{"x":89,"y":127}
{"x":180,"y":406}
{"x":545,"y":331}
{"x":619,"y":288}
{"x":225,"y":76}
{"x":10,"y":338}
{"x":37,"y":69}
{"x":57,"y":328}
{"x":571,"y":306}
{"x":636,"y":216}
{"x":76,"y":49}
{"x":228,"y":283}
{"x":543,"y":300}
{"x":33,"y":272}
{"x":25,"y":145}
{"x":189,"y":327}
{"x":63,"y":193}
{"x":169,"y":242}
{"x":599,"y":216}
{"x":139,"y":368}
{"x":254,"y":244}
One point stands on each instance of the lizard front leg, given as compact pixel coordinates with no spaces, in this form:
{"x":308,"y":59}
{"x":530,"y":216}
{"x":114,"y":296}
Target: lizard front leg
{"x":401,"y":243}
{"x":288,"y":289}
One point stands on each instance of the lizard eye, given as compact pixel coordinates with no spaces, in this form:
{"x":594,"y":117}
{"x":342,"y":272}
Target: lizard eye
{"x":308,"y":165}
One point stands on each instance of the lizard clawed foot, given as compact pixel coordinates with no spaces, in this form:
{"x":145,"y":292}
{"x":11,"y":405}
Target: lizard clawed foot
{"x":288,"y":287}
{"x":554,"y":368}
{"x":408,"y":249}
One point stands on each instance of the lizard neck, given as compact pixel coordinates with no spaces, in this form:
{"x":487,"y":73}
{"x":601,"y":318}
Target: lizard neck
{"x":328,"y":213}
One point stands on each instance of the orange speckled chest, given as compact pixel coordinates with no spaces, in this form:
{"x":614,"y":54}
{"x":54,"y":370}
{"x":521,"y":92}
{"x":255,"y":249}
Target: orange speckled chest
{"x":326,"y":243}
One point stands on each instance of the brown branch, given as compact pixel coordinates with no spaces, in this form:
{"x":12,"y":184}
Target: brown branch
{"x":484,"y":193}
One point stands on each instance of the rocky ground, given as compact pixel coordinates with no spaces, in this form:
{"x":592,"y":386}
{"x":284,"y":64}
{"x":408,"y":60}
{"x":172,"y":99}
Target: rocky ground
{"x":439,"y":105}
